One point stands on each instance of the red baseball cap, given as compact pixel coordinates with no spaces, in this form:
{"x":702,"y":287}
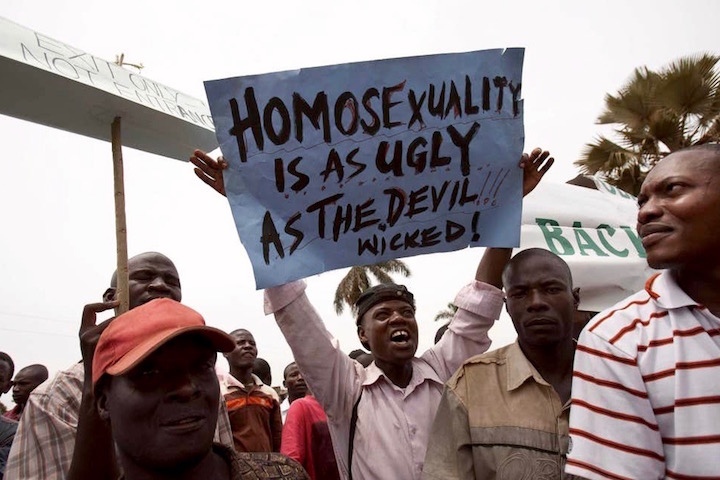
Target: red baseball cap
{"x":133,"y":336}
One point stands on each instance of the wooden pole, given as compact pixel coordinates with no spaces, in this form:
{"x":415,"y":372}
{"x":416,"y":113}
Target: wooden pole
{"x":120,"y":225}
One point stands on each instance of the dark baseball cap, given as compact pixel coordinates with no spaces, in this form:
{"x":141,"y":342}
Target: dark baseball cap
{"x":382,"y":293}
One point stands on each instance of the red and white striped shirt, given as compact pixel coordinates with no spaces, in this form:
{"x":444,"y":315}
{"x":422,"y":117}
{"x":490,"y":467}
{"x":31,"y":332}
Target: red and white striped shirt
{"x":646,"y":389}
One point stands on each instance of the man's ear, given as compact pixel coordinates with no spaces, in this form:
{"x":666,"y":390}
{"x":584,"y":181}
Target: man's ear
{"x":363,"y":338}
{"x":109,"y":294}
{"x":361,"y":334}
{"x":576,"y":297}
{"x":102,"y":404}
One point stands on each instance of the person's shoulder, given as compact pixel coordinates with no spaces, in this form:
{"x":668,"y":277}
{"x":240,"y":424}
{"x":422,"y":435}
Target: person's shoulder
{"x":622,"y":316}
{"x":305,"y":403}
{"x":270,"y":466}
{"x":270,"y":392}
{"x":484,"y":361}
{"x":7,"y":424}
{"x":62,"y":392}
{"x":8,"y":428}
{"x":497,"y":356}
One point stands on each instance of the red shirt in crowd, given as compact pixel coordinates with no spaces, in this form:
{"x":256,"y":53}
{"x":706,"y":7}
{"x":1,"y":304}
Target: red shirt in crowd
{"x":306,"y":438}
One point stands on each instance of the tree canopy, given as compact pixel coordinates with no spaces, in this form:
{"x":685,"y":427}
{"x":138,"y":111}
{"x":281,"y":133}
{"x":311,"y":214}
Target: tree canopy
{"x":656,"y":113}
{"x":358,"y":280}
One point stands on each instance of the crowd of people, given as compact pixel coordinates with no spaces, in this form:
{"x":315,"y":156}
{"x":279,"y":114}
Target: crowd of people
{"x":636,"y":396}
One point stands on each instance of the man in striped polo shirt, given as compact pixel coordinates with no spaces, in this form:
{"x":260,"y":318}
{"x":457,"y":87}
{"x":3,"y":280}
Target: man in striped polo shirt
{"x":646,"y":386}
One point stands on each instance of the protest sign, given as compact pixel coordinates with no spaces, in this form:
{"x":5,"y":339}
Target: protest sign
{"x":360,"y":163}
{"x":594,"y":232}
{"x":51,"y":83}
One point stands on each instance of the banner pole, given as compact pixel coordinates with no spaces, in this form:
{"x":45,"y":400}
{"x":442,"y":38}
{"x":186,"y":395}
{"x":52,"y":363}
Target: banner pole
{"x":120,"y":225}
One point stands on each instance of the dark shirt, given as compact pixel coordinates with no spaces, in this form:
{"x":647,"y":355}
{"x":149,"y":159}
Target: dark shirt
{"x":7,"y":433}
{"x":257,"y":466}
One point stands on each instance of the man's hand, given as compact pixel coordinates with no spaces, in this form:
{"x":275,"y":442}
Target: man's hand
{"x":94,"y":452}
{"x":210,"y":171}
{"x":533,"y":168}
{"x":90,"y":332}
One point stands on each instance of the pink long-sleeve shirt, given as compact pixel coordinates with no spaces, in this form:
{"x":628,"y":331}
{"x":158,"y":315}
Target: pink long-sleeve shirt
{"x":393,"y":423}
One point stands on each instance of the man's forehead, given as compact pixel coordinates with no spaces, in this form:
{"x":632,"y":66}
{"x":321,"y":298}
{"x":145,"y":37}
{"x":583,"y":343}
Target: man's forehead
{"x":693,"y":163}
{"x":242,"y":334}
{"x":393,"y":303}
{"x":536,"y":269}
{"x":150,"y":260}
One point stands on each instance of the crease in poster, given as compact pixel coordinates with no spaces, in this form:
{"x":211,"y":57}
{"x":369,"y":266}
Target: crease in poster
{"x":365,"y":162}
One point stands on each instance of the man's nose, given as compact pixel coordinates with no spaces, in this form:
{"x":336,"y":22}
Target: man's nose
{"x":536,"y":300}
{"x":650,"y":210}
{"x":159,"y":283}
{"x":396,"y":316}
{"x":184,"y":387}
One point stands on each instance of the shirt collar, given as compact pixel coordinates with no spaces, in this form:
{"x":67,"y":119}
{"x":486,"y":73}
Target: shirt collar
{"x":663,"y":288}
{"x":228,"y":380}
{"x":519,"y":368}
{"x":421,"y":372}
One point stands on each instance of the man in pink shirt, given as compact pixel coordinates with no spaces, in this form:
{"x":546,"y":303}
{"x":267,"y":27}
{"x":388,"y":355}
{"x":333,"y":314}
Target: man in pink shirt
{"x":380,"y":416}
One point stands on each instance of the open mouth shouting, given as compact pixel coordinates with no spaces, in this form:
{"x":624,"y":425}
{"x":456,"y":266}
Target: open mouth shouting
{"x":400,"y":337}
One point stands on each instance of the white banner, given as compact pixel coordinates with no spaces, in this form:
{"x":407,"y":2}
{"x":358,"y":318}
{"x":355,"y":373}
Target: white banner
{"x":594,"y":232}
{"x":49,"y":82}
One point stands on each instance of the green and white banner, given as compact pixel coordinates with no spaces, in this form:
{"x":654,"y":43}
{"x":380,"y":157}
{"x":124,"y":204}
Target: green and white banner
{"x":594,"y":232}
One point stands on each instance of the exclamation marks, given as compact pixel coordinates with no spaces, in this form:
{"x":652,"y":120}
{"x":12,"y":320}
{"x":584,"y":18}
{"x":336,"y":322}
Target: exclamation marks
{"x":501,"y":182}
{"x":476,"y":235}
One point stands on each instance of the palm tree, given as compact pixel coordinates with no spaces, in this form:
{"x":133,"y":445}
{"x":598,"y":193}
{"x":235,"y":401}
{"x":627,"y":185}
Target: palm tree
{"x":448,"y":313}
{"x":656,"y":113}
{"x":357,"y":281}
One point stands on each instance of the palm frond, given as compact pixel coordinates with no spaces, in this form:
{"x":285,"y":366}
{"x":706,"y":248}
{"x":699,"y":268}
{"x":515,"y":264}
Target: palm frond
{"x":604,"y":156}
{"x":633,"y":104}
{"x":448,"y":313}
{"x":656,"y":113}
{"x":687,"y":85}
{"x":357,"y":280}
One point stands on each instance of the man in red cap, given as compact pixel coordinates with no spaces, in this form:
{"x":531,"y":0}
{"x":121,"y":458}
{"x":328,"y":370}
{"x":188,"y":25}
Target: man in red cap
{"x":60,"y":420}
{"x":155,"y":384}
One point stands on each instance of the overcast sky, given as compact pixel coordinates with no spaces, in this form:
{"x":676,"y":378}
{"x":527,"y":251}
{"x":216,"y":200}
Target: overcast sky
{"x":57,"y":247}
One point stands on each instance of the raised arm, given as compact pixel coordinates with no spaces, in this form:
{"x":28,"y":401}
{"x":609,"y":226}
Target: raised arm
{"x":534,"y":166}
{"x":333,"y":377}
{"x":480,"y":302}
{"x":94,"y":453}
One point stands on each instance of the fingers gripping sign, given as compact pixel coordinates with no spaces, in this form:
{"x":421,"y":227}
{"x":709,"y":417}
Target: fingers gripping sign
{"x":209,"y":170}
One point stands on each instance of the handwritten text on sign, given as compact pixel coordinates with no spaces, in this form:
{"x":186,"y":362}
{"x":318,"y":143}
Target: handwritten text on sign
{"x":359,"y":163}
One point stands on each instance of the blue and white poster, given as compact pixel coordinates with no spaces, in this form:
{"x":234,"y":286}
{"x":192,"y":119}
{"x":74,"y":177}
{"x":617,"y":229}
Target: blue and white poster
{"x":360,"y":163}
